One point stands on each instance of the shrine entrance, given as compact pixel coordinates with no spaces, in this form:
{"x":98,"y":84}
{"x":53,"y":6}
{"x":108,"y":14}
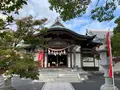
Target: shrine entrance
{"x":65,"y":48}
{"x":58,"y":61}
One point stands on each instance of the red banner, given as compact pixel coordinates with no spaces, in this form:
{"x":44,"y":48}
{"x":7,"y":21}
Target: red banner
{"x":40,"y":57}
{"x":108,"y":41}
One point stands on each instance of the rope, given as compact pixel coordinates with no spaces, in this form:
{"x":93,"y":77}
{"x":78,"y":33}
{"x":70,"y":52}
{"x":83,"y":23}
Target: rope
{"x":60,"y":49}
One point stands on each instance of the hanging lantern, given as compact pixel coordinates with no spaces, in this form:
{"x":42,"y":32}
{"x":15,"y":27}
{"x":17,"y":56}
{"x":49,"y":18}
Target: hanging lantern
{"x":60,"y":53}
{"x":64,"y":52}
{"x":55,"y":53}
{"x":52,"y":52}
{"x":48,"y":51}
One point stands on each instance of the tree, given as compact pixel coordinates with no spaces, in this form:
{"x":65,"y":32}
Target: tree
{"x":117,"y":28}
{"x":70,"y":9}
{"x":116,"y":39}
{"x":8,"y":7}
{"x":12,"y":60}
{"x":116,"y":44}
{"x":27,"y":27}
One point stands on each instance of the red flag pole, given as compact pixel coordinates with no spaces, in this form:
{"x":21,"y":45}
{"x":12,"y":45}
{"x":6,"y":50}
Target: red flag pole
{"x":111,"y":72}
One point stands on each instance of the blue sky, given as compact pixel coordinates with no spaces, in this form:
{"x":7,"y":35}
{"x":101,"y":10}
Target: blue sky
{"x":40,"y":9}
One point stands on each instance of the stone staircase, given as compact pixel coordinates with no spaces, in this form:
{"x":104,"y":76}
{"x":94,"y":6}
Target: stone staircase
{"x":62,"y":75}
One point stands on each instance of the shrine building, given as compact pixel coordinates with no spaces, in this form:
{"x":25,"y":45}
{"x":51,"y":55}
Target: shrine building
{"x":68,"y":49}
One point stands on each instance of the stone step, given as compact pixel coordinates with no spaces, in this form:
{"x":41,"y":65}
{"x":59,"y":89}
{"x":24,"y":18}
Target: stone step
{"x":70,"y":74}
{"x":61,"y":75}
{"x":59,"y":80}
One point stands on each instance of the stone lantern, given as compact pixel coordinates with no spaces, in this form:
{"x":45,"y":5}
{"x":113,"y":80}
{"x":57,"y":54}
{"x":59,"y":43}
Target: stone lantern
{"x":105,"y":63}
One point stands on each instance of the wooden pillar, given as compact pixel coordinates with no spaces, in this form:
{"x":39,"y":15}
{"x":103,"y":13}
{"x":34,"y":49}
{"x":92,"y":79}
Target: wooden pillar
{"x":47,"y":58}
{"x":94,"y":60}
{"x":71,"y":57}
{"x":81,"y":59}
{"x":44,"y":58}
{"x":67,"y":59}
{"x":74,"y":57}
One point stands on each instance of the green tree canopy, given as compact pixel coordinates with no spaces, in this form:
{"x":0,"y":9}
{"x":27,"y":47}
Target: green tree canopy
{"x":27,"y":27}
{"x":70,"y":9}
{"x":10,"y":7}
{"x":117,"y":28}
{"x":12,"y":59}
{"x":116,"y":44}
{"x":116,"y":38}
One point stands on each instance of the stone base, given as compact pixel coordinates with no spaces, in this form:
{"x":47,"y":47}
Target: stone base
{"x":108,"y":87}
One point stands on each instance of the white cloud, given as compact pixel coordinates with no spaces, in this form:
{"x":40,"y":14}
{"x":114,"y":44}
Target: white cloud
{"x":95,"y":25}
{"x":77,"y":22}
{"x":38,"y":9}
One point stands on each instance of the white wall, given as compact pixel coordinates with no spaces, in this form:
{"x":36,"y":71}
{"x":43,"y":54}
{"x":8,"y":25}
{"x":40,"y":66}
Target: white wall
{"x":97,"y":62}
{"x":78,"y":60}
{"x":88,"y":63}
{"x":72,"y":60}
{"x":68,"y":56}
{"x":36,"y":57}
{"x":91,"y":63}
{"x":45,"y":62}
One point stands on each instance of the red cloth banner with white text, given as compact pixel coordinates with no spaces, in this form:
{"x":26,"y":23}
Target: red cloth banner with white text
{"x":108,"y":41}
{"x":40,"y":57}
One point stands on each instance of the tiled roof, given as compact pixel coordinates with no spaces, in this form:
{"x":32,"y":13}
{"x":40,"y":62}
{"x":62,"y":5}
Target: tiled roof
{"x":99,"y":33}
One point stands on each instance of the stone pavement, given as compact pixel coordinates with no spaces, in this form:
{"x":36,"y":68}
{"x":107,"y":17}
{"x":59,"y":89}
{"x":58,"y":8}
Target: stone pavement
{"x":62,"y":75}
{"x":93,"y":83}
{"x":1,"y":81}
{"x":58,"y":86}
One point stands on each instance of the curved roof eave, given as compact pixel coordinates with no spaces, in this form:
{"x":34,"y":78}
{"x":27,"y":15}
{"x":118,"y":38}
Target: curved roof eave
{"x":59,"y":28}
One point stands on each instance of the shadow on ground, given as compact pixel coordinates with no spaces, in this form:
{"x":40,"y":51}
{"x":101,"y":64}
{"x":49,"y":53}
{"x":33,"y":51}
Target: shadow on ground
{"x":95,"y":81}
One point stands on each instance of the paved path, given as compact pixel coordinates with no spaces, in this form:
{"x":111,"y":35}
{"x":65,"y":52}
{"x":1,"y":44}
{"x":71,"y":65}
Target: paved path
{"x":94,"y":82}
{"x":57,"y":86}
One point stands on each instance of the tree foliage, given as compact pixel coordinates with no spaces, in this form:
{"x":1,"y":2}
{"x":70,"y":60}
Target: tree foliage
{"x":12,"y":59}
{"x":117,"y":28}
{"x":9,"y":7}
{"x":116,"y":44}
{"x":116,"y":38}
{"x":70,"y":9}
{"x":27,"y":27}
